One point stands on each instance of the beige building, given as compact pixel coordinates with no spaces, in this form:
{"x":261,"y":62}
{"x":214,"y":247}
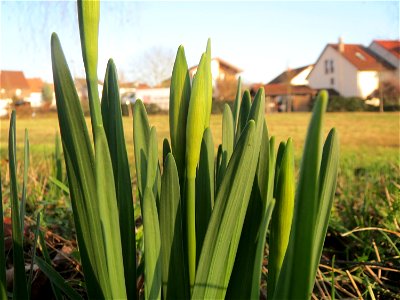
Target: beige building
{"x":224,"y":78}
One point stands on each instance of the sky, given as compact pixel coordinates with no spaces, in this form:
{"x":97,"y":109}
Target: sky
{"x":262,"y":38}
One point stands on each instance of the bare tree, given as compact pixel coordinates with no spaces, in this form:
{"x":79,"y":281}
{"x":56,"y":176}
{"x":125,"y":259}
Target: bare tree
{"x":154,"y":66}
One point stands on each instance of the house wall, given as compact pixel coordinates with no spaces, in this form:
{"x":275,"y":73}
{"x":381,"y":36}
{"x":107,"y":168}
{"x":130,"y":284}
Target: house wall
{"x":301,"y":102}
{"x":158,"y":96}
{"x":35,"y":99}
{"x":344,"y":75}
{"x":368,"y":81}
{"x":301,"y":78}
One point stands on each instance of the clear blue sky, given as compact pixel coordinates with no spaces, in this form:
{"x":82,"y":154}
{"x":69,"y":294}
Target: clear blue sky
{"x":262,"y":38}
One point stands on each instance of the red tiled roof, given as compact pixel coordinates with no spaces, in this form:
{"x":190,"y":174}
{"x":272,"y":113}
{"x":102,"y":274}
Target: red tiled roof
{"x":223,"y":63}
{"x":392,"y":46}
{"x":142,"y":86}
{"x":35,"y":84}
{"x":359,"y":56}
{"x":275,"y":89}
{"x":11,"y":80}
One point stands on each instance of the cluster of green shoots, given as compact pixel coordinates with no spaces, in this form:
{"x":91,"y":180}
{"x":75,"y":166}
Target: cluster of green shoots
{"x":205,"y":220}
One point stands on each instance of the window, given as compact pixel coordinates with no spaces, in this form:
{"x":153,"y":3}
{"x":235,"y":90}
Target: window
{"x":360,"y":56}
{"x":332,"y":68}
{"x":332,"y":81}
{"x":326,"y":67}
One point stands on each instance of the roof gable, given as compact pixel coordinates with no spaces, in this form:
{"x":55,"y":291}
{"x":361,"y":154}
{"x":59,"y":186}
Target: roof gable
{"x":288,"y":75}
{"x":392,"y":46}
{"x":223,"y":64}
{"x":35,"y":84}
{"x":11,"y":80}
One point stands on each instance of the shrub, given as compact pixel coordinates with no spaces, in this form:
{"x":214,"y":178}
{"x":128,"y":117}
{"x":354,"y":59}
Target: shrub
{"x":339,"y":103}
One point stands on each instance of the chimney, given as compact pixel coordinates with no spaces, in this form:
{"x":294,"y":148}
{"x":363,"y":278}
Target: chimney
{"x":341,"y":45}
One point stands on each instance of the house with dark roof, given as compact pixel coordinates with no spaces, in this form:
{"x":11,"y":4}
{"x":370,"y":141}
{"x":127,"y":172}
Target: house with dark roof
{"x":289,"y":91}
{"x":351,"y":70}
{"x":388,"y":50}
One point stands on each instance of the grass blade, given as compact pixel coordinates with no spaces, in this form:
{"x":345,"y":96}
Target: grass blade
{"x":25,"y":181}
{"x":113,"y":126}
{"x":174,"y":278}
{"x":56,"y":279}
{"x":34,"y":252}
{"x":46,"y":257}
{"x":3,"y":286}
{"x":59,"y":184}
{"x":20,"y":290}
{"x":178,"y":109}
{"x":204,"y":189}
{"x":151,"y":228}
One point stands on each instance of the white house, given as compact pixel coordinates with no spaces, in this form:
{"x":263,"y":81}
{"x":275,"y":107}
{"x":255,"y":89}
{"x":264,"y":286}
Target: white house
{"x":349,"y":69}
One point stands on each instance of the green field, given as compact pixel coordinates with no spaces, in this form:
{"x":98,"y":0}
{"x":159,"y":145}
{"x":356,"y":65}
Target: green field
{"x":367,"y":195}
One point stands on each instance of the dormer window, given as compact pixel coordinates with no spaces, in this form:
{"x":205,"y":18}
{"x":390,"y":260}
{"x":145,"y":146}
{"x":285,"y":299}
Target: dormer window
{"x":360,"y":56}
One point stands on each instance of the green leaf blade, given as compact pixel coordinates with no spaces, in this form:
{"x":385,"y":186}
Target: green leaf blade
{"x":178,"y":109}
{"x":282,"y":216}
{"x":232,"y":199}
{"x":297,"y":276}
{"x":79,"y":160}
{"x":151,"y":227}
{"x":56,"y":279}
{"x":174,"y":278}
{"x":204,"y":189}
{"x":141,"y":137}
{"x":113,"y":126}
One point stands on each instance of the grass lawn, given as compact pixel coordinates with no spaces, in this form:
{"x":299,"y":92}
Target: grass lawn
{"x":364,"y":137}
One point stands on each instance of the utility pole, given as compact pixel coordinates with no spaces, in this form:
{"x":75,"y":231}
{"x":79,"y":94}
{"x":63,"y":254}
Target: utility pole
{"x":289,"y":91}
{"x":380,"y":90}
